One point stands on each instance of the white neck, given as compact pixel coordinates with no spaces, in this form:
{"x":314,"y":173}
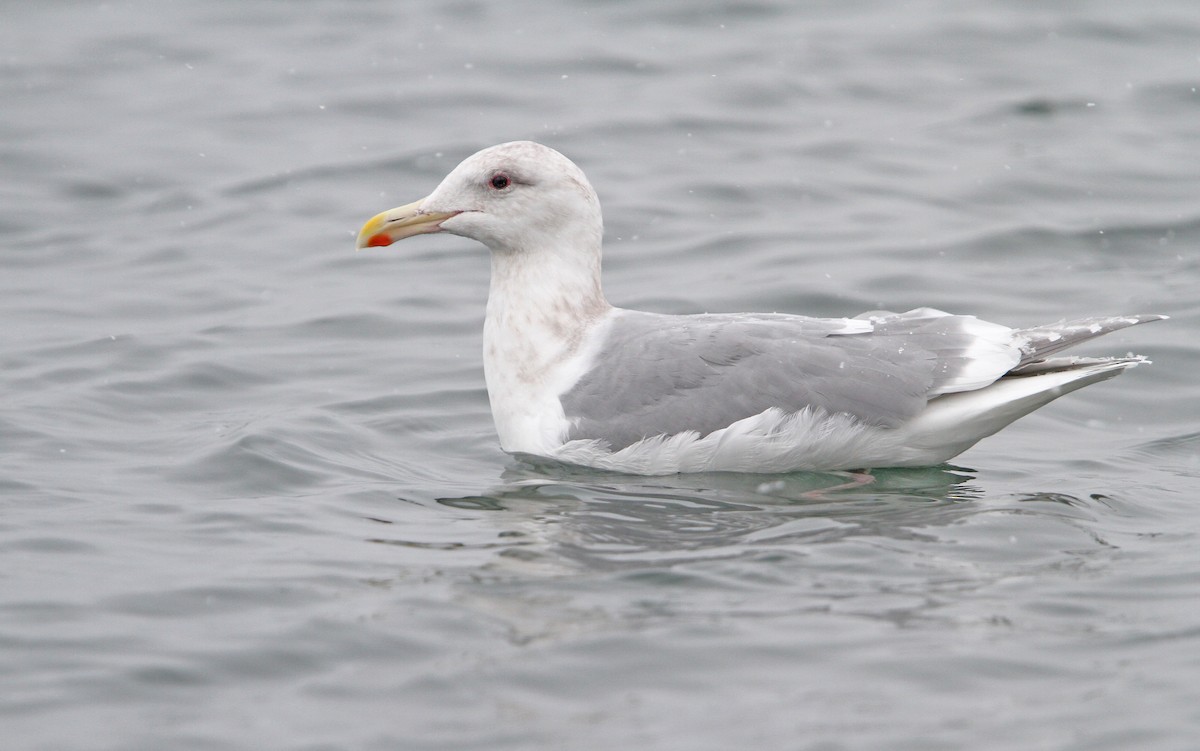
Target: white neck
{"x":541,"y":306}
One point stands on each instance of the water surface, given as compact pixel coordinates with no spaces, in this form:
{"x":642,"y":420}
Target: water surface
{"x":251,"y":493}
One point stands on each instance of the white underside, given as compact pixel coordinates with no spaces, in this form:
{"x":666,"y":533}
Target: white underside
{"x":774,"y":441}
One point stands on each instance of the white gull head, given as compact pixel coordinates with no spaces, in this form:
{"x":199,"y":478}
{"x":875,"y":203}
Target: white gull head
{"x":519,"y":196}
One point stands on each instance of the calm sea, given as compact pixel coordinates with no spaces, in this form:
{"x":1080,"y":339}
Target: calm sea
{"x":250,"y":492}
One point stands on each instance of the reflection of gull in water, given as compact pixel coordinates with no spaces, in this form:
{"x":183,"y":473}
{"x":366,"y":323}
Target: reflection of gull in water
{"x":584,"y":520}
{"x":574,"y":379}
{"x":551,"y":557}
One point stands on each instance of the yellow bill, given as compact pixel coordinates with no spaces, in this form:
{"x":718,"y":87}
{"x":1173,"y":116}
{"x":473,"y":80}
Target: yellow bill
{"x":399,"y":223}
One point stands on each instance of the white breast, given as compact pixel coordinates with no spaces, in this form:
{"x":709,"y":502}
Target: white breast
{"x":528,"y":364}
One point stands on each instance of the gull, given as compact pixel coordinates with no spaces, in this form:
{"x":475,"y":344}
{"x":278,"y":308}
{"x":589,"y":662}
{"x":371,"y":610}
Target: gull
{"x":574,"y":379}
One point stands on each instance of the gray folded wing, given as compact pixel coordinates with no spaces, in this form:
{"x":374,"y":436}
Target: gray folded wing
{"x":659,"y":374}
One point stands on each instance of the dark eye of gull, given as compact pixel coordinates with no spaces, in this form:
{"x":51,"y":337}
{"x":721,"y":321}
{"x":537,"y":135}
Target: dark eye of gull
{"x":500,"y":181}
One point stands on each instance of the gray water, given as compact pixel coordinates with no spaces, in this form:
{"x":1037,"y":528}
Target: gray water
{"x":250,"y":492}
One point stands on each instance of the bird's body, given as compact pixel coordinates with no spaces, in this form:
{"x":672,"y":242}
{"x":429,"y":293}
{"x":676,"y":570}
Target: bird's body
{"x":573,"y":378}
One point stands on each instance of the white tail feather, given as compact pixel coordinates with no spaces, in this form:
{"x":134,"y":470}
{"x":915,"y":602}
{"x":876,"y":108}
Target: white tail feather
{"x":953,"y":423}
